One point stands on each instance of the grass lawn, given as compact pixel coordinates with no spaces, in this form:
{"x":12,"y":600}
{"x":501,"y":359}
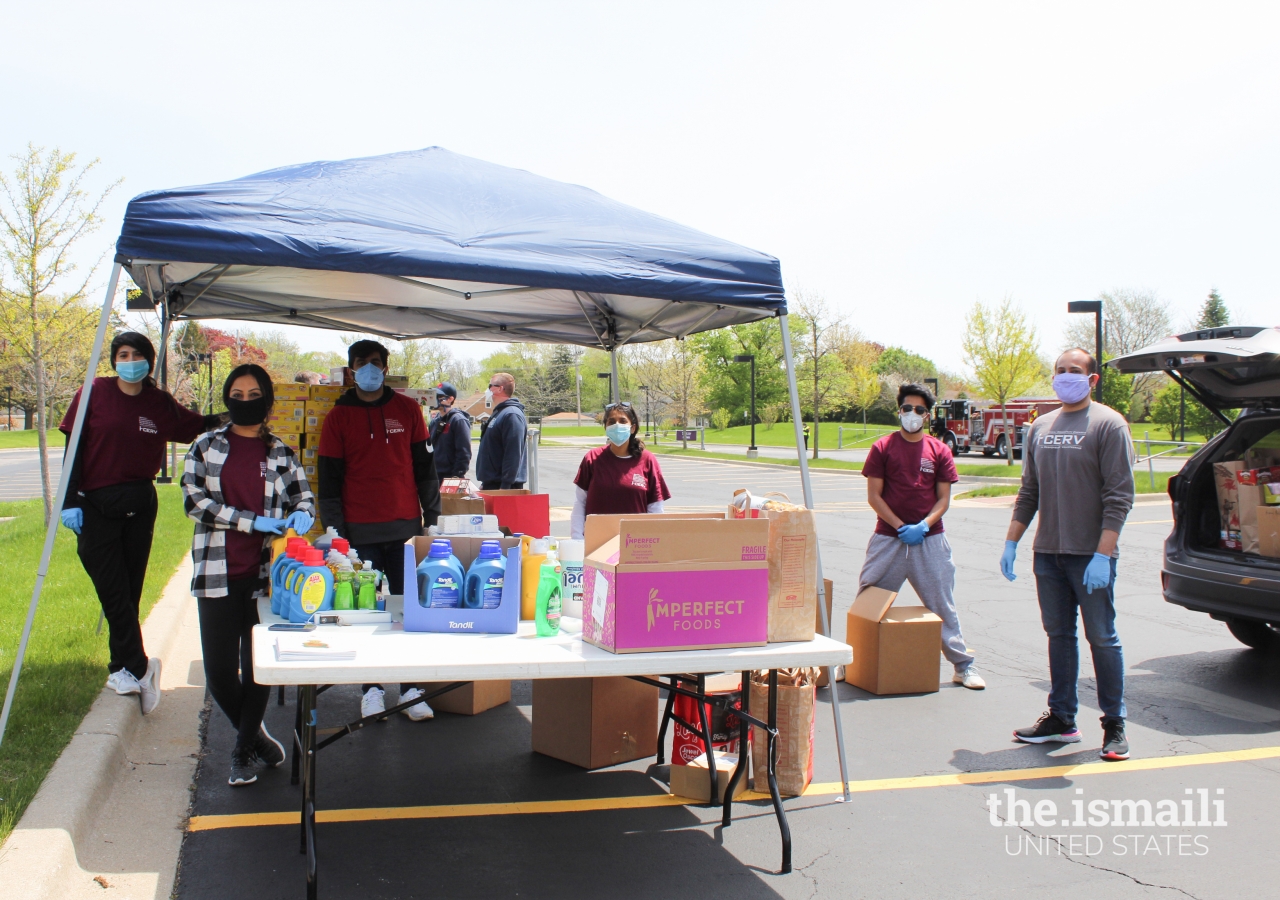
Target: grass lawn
{"x":66,"y":664}
{"x":13,"y":439}
{"x":1141,"y":484}
{"x":780,"y":435}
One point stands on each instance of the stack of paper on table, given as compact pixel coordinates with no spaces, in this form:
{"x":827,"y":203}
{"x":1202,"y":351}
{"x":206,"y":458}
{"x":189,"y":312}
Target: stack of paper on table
{"x":299,"y":648}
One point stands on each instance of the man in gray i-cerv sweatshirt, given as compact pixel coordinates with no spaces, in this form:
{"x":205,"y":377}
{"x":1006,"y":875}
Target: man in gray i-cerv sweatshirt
{"x":1077,"y":473}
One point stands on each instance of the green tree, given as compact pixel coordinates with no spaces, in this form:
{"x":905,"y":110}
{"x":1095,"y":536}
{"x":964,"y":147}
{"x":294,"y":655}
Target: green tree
{"x":728,"y":384}
{"x":818,"y":340}
{"x":1117,"y":388}
{"x":1002,"y":349}
{"x":1166,"y":409}
{"x":1213,"y":314}
{"x":45,"y":212}
{"x":720,"y":419}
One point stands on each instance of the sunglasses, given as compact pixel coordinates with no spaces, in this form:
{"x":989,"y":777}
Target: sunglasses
{"x":920,"y":410}
{"x":497,"y":387}
{"x":621,"y":404}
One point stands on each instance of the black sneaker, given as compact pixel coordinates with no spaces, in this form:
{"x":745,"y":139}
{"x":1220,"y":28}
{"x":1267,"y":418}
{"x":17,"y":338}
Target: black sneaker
{"x":1049,"y":729}
{"x":269,"y":751}
{"x":1114,"y":745}
{"x":242,"y":769}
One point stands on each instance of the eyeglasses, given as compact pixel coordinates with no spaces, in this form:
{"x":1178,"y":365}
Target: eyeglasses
{"x":621,"y":404}
{"x":497,"y":387}
{"x":921,"y":410}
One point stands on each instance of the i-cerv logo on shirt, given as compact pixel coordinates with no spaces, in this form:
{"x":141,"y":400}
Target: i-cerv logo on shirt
{"x":145,"y":424}
{"x":638,"y":480}
{"x":1061,"y":440}
{"x":926,"y":465}
{"x":394,"y":426}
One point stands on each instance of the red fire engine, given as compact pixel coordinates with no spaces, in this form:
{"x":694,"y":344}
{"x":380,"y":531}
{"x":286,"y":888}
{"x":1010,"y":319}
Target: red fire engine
{"x":969,"y":426}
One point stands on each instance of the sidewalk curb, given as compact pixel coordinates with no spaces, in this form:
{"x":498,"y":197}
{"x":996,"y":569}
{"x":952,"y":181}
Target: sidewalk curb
{"x":39,"y":860}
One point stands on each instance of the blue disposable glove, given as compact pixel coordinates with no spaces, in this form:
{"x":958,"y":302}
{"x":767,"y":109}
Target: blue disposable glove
{"x":1006,"y":559}
{"x":913,"y":534}
{"x":1098,"y":573}
{"x":268,"y":525}
{"x":299,"y":521}
{"x":73,"y":519}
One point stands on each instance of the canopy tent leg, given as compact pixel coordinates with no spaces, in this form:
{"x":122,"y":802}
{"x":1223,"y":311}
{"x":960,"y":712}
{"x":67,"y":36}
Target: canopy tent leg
{"x":56,"y":518}
{"x":808,"y":502}
{"x":613,"y":380}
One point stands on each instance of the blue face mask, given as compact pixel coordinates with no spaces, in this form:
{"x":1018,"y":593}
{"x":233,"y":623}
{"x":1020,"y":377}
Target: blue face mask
{"x":369,"y":377}
{"x":1071,"y":387}
{"x":133,"y":371}
{"x":618,"y":434}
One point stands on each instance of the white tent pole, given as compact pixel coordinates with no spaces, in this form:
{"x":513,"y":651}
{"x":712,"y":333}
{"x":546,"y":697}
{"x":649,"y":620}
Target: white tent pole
{"x":613,"y":381}
{"x":808,"y":502}
{"x":56,"y":518}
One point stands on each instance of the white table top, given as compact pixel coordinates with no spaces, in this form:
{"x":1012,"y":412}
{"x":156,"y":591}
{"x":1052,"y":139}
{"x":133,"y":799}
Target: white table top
{"x":386,"y":653}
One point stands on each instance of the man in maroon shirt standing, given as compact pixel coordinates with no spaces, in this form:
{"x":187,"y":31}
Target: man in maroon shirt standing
{"x":909,"y":476}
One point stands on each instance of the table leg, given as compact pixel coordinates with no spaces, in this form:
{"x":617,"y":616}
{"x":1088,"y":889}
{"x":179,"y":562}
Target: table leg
{"x":707,"y":740}
{"x":297,"y":736}
{"x":308,"y":701}
{"x":280,"y":695}
{"x":773,"y":776}
{"x":744,"y":735}
{"x":666,"y":720}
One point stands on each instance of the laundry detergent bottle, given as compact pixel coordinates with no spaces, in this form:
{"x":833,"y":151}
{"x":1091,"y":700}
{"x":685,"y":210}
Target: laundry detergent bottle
{"x":440,"y":578}
{"x":312,"y":588}
{"x":287,"y":573}
{"x":486,"y":577}
{"x":277,"y":571}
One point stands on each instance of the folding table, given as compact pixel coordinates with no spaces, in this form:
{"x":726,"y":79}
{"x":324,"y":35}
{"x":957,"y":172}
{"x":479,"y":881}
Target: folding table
{"x":386,"y":653}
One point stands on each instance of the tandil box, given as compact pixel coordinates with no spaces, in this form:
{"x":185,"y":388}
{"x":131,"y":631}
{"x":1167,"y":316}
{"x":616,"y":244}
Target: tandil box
{"x":670,"y":584}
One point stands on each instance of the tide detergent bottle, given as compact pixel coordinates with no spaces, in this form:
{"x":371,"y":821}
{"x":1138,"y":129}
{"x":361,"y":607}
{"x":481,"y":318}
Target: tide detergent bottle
{"x":312,"y":588}
{"x":440,"y":577}
{"x":486,"y":577}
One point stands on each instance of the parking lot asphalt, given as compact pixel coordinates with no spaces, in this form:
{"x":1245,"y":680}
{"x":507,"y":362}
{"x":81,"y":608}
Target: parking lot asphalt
{"x":1204,"y":715}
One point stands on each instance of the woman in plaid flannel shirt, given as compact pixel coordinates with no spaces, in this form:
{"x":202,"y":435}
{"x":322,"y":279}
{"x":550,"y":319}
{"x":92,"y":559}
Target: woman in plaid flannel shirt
{"x":241,"y":485}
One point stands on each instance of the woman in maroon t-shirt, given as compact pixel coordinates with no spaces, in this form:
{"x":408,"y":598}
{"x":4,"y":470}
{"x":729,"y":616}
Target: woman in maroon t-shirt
{"x":111,"y":500}
{"x":620,"y":477}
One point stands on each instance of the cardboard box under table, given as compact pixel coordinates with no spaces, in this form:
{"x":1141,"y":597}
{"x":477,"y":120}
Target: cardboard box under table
{"x":678,"y":584}
{"x":895,"y":648}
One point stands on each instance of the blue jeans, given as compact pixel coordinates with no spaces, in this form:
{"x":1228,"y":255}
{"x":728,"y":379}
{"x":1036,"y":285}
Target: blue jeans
{"x":1061,"y":591}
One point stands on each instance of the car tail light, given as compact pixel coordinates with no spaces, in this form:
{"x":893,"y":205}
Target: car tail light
{"x":1164,"y":581}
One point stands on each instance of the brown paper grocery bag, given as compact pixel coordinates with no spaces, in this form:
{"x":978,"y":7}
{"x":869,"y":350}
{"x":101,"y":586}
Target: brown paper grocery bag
{"x":795,"y":738}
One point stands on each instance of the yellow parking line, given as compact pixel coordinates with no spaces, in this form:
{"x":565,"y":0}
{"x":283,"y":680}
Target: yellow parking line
{"x":378,"y":814}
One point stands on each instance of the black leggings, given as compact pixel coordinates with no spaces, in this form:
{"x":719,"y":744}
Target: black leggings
{"x":226,"y":638}
{"x":114,"y":546}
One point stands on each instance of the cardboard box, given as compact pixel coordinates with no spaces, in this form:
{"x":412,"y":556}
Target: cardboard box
{"x":1269,"y":531}
{"x":329,"y":392}
{"x":310,"y":454}
{"x":290,"y":390}
{"x":599,"y":529}
{"x":284,"y":410}
{"x":455,"y":505}
{"x":505,"y":619}
{"x":895,"y":648}
{"x":395,"y":382}
{"x":694,"y":782}
{"x":519,"y":511}
{"x":687,"y":745}
{"x":341,"y":376}
{"x":316,"y":413}
{"x":471,"y":699}
{"x":595,"y":722}
{"x":292,"y":440}
{"x":678,"y":584}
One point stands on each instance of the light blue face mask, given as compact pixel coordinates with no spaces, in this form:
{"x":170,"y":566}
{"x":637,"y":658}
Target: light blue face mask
{"x":133,"y":371}
{"x":618,"y":434}
{"x":369,"y":377}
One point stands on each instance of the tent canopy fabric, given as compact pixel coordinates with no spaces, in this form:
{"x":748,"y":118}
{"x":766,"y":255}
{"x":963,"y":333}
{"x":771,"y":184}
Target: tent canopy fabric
{"x":428,"y":243}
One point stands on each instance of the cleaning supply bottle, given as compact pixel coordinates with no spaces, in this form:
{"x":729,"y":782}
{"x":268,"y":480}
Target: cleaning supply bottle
{"x":312,"y":588}
{"x":343,"y":580}
{"x":535,"y":554}
{"x":571,"y":557}
{"x":547,"y":617}
{"x":277,"y":571}
{"x":452,"y":556}
{"x":325,"y":541}
{"x":287,"y":576}
{"x":367,"y":585}
{"x":440,"y":578}
{"x":486,"y":577}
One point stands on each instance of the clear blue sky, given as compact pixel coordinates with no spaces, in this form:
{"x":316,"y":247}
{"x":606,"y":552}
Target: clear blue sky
{"x":903,"y":159}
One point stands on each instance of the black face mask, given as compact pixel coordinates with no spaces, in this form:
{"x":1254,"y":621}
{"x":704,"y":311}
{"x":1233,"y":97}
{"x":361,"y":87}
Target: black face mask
{"x":247,"y":412}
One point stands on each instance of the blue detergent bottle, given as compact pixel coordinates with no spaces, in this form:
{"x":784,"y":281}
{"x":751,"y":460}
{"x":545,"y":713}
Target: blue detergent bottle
{"x":485,"y":578}
{"x":312,"y":588}
{"x":277,"y":574}
{"x":448,"y":543}
{"x":288,"y":578}
{"x":440,"y":577}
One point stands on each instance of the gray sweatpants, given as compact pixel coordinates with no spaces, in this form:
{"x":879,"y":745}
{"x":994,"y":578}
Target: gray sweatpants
{"x":929,"y":568}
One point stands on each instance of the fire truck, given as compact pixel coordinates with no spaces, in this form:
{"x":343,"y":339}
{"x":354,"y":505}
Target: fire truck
{"x":972,"y":426}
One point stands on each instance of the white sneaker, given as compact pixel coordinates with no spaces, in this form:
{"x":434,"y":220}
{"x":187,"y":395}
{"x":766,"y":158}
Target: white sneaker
{"x":419,"y":711}
{"x":970,"y":679}
{"x":371,"y":704}
{"x":149,"y":686}
{"x":123,"y":682}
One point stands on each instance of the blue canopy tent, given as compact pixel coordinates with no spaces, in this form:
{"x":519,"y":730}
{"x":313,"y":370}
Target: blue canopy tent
{"x":429,"y":243}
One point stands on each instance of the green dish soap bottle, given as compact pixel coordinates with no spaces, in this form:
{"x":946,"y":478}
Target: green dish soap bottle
{"x":550,"y":598}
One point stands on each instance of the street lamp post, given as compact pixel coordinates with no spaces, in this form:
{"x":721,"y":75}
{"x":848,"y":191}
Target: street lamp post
{"x":752,"y":451}
{"x":647,"y":411}
{"x":1095,"y":307}
{"x":608,"y":397}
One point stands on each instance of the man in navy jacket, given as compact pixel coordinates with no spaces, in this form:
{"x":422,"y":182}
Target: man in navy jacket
{"x":502,"y":463}
{"x":451,"y":435}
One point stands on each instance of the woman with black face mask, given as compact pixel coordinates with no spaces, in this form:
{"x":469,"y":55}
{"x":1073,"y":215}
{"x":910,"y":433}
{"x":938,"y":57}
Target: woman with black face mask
{"x":260,"y":491}
{"x":111,"y":498}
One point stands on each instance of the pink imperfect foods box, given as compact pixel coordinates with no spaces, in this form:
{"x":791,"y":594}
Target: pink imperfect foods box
{"x":693,"y":584}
